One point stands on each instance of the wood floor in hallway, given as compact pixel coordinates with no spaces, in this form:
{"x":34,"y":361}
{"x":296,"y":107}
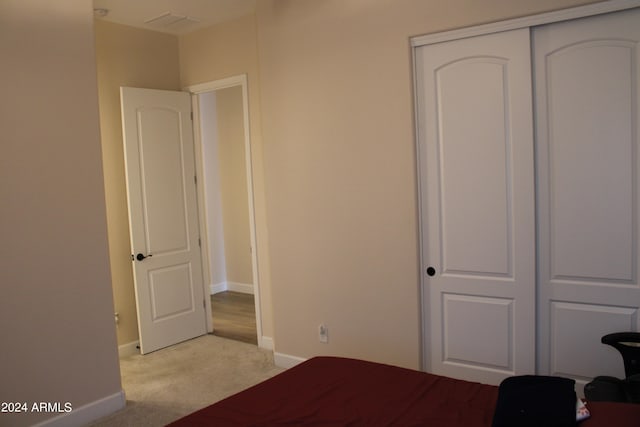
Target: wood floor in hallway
{"x":234,"y":316}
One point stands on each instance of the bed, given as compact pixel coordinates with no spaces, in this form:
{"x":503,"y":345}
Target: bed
{"x":334,"y":391}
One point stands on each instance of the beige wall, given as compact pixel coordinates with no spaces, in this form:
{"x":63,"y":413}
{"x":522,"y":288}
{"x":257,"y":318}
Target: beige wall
{"x":126,"y":56}
{"x":225,"y":50}
{"x":340,"y":170}
{"x":225,"y":186}
{"x":215,"y":269}
{"x":233,"y":180}
{"x":56,"y":311}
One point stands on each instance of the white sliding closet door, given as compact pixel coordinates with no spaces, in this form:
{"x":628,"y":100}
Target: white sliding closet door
{"x":587,"y":90}
{"x":477,"y":203}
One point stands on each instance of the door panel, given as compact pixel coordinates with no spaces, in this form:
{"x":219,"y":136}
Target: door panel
{"x":476,"y":171}
{"x":471,"y":100}
{"x":171,"y":294}
{"x":573,"y":325}
{"x":587,"y":150}
{"x":160,"y":165}
{"x":459,"y":349}
{"x":163,"y":176}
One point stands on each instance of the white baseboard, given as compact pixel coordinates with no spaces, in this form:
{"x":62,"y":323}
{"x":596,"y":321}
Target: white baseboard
{"x":244,"y":288}
{"x":218,"y":287}
{"x":88,"y":413}
{"x":129,"y":349}
{"x":286,"y":360}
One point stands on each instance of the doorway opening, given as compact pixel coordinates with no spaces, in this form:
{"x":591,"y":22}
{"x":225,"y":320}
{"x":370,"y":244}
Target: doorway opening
{"x":227,"y":219}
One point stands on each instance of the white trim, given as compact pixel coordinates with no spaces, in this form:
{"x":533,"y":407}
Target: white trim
{"x":243,"y":288}
{"x":88,"y":413}
{"x":265,"y":343}
{"x":129,"y":349}
{"x":242,"y":81}
{"x":218,"y":287}
{"x":527,"y":21}
{"x":286,"y":361}
{"x":232,"y":81}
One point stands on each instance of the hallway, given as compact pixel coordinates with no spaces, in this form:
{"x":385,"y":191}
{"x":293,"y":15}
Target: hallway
{"x":234,"y":316}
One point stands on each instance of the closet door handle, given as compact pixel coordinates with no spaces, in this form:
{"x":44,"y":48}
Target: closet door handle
{"x":431,"y":271}
{"x":140,"y":257}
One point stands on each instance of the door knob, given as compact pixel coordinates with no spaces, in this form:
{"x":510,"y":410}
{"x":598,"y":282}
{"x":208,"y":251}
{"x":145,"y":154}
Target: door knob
{"x":431,"y":271}
{"x":140,"y":257}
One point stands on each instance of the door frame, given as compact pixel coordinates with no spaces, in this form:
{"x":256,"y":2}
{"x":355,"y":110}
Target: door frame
{"x":494,"y":27}
{"x":196,"y":90}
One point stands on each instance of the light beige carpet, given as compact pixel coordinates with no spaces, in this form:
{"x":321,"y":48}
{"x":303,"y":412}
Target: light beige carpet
{"x":165,"y":385}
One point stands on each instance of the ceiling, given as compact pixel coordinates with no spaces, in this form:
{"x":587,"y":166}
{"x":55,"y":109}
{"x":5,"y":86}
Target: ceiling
{"x":172,"y":16}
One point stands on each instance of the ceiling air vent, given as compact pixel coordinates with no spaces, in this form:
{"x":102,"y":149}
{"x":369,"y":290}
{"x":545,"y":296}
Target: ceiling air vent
{"x":169,"y":20}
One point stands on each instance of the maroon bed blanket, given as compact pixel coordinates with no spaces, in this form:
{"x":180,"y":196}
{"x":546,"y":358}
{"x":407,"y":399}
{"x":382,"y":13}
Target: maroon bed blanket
{"x":331,"y":391}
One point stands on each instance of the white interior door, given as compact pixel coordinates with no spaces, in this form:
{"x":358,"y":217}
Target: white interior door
{"x":163,"y":215}
{"x":587,"y":91}
{"x":477,"y":205}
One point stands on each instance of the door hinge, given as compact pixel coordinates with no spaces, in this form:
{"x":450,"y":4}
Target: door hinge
{"x":191,"y":115}
{"x":199,"y":242}
{"x":204,"y":304}
{"x":195,"y":179}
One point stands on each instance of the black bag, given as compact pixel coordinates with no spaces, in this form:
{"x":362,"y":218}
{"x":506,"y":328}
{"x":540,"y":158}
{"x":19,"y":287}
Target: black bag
{"x":535,"y":401}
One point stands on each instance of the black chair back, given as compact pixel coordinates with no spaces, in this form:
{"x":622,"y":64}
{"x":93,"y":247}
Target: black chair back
{"x":628,"y":344}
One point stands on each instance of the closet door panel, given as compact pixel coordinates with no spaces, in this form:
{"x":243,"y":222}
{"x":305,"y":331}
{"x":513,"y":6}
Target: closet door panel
{"x":590,"y":126}
{"x":573,"y":324}
{"x":477,"y":204}
{"x":471,"y":98}
{"x":586,"y":77}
